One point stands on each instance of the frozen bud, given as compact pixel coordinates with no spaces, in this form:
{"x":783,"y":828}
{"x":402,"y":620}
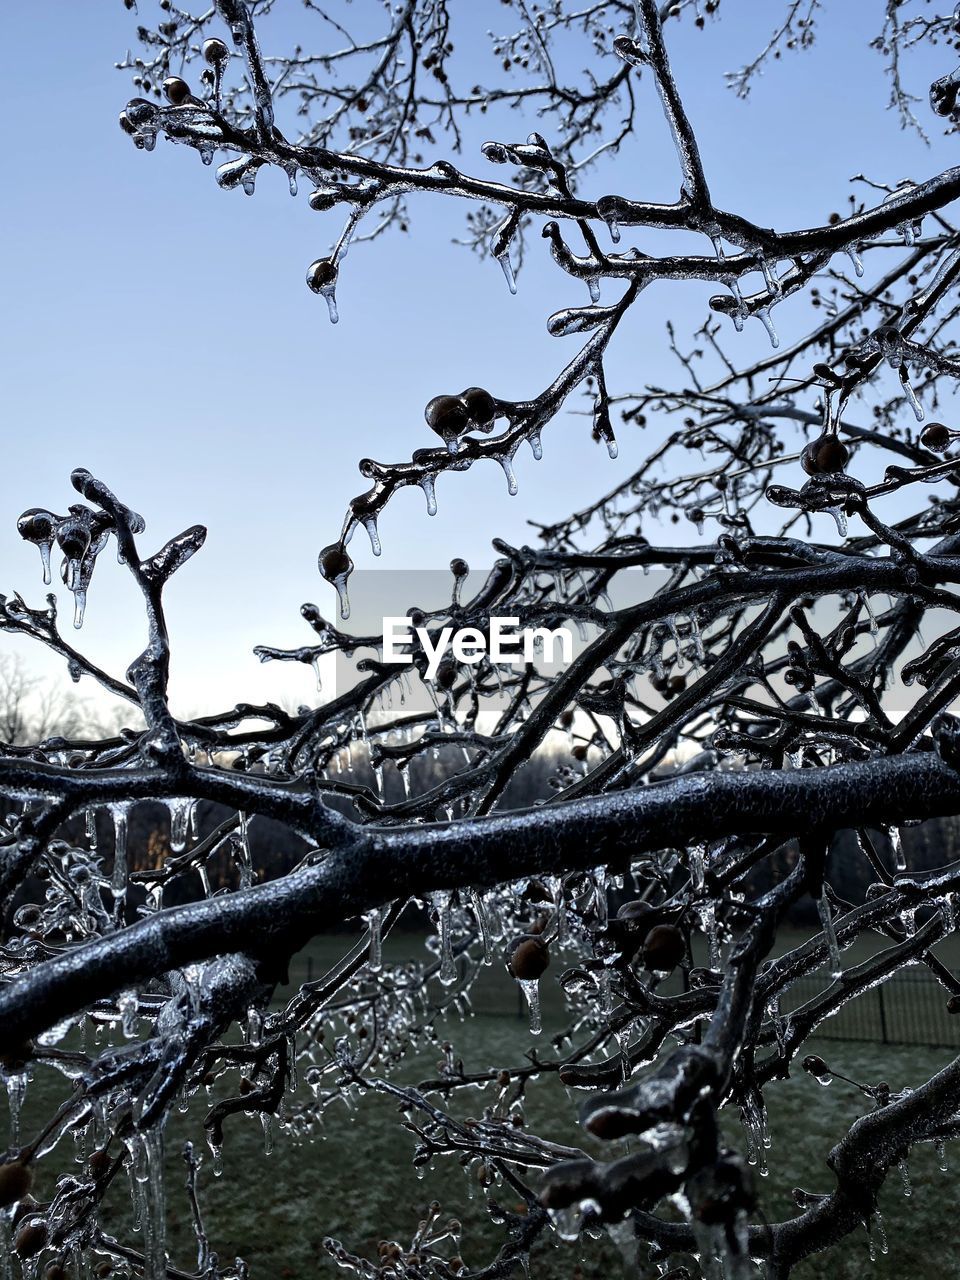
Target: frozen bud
{"x":934,"y":436}
{"x":74,"y":539}
{"x":140,"y":112}
{"x":479,"y":404}
{"x":816,"y":1067}
{"x":215,"y":52}
{"x":31,"y":1238}
{"x":495,"y":152}
{"x":503,"y":1079}
{"x":320,"y":200}
{"x":15,"y":1180}
{"x":635,"y":911}
{"x":943,"y":94}
{"x":36,"y":525}
{"x":334,"y":562}
{"x":459,"y":568}
{"x":663,"y":947}
{"x":176,"y":91}
{"x":448,"y":417}
{"x":824,"y":456}
{"x":953,"y":1004}
{"x":446,"y":674}
{"x":321,"y":274}
{"x":528,"y":958}
{"x":827,"y":375}
{"x":100,"y":1163}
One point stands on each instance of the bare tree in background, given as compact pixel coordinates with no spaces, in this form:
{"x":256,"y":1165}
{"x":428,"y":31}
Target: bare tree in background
{"x":30,"y":710}
{"x":776,"y":725}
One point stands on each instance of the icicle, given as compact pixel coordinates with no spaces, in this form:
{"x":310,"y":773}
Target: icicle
{"x":855,"y":258}
{"x":905,"y":1176}
{"x":600,"y":896}
{"x":179,"y":824}
{"x":940,"y":1147}
{"x":567,"y":1222}
{"x":155,"y":1243}
{"x":948,"y":912}
{"x":45,"y":561}
{"x":763,"y":315}
{"x":266,"y":1120}
{"x":119,"y":850}
{"x":480,"y":911}
{"x":370,"y":524}
{"x":840,"y":518}
{"x":291,"y":172}
{"x":833,"y":948}
{"x":896,"y":840}
{"x":593,"y":284}
{"x":129,"y":1007}
{"x":612,"y":447}
{"x":242,"y":848}
{"x":375,"y":961}
{"x":879,"y":1228}
{"x":697,"y":857}
{"x":90,"y":827}
{"x":536,"y":448}
{"x":315,"y":663}
{"x":216,"y":1150}
{"x":507,"y":463}
{"x":428,"y":485}
{"x":507,"y":266}
{"x":912,"y":400}
{"x":531,"y":993}
{"x":340,"y":586}
{"x":448,"y":964}
{"x":736,"y":315}
{"x":16,"y":1088}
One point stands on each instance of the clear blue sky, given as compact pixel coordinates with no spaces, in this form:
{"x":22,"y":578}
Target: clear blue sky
{"x":158,"y":330}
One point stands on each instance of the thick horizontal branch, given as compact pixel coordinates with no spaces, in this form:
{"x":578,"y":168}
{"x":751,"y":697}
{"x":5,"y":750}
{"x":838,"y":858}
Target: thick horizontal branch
{"x":375,"y":865}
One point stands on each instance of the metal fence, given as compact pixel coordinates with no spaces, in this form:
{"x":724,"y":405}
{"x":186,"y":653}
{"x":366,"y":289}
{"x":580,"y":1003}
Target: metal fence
{"x":910,"y":1008}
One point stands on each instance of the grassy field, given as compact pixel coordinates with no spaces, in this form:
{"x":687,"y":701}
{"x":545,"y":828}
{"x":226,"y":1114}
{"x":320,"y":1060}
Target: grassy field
{"x":355,"y":1181}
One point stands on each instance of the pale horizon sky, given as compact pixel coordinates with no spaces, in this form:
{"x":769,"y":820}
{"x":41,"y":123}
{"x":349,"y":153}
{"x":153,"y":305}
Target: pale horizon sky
{"x":158,"y":330}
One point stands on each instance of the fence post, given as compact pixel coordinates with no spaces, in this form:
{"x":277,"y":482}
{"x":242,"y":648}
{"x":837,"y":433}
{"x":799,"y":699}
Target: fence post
{"x":883,"y":1015}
